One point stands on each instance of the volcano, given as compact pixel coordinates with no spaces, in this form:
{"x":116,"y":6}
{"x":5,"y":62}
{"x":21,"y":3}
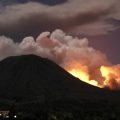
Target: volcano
{"x":32,"y":77}
{"x":37,"y":87}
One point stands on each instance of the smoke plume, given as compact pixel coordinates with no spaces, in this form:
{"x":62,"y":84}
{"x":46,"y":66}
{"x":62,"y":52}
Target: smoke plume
{"x":71,"y":53}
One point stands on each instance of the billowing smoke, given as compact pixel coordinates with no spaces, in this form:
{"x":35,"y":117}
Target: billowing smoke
{"x":112,"y":76}
{"x":73,"y":54}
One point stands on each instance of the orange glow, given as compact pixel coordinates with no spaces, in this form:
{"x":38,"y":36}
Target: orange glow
{"x":111,"y":75}
{"x":81,"y":72}
{"x":82,"y":76}
{"x":105,"y":72}
{"x":108,"y":76}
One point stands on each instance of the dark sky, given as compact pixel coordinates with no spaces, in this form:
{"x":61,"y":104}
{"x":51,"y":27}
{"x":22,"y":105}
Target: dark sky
{"x":109,"y":44}
{"x":99,"y":21}
{"x":47,"y":2}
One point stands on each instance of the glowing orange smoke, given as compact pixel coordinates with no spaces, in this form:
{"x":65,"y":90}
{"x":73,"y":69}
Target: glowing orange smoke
{"x":110,"y":75}
{"x":81,"y":72}
{"x":83,"y":76}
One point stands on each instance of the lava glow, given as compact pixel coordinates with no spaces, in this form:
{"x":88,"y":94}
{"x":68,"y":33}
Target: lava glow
{"x":82,"y":73}
{"x":110,"y":75}
{"x":82,"y":76}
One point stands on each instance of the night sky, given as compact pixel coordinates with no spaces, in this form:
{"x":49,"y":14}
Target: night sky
{"x":98,"y":20}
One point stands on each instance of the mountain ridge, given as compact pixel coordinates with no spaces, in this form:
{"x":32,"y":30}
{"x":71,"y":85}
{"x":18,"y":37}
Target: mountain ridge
{"x":30,"y":76}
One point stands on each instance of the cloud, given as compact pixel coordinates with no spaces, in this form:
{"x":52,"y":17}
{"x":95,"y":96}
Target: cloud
{"x":7,"y":47}
{"x":57,"y":46}
{"x":88,"y":16}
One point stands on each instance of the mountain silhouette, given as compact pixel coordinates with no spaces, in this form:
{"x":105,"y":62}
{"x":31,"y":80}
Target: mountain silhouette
{"x":32,"y":77}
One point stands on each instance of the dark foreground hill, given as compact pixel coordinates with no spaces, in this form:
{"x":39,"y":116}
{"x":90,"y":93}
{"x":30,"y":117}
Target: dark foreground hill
{"x":32,"y":83}
{"x":30,"y":76}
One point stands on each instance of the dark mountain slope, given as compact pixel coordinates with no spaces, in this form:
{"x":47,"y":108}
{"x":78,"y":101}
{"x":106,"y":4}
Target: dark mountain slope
{"x":32,"y":77}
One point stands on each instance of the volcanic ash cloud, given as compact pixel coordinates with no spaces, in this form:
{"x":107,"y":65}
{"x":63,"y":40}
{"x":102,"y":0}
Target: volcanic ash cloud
{"x":73,"y":54}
